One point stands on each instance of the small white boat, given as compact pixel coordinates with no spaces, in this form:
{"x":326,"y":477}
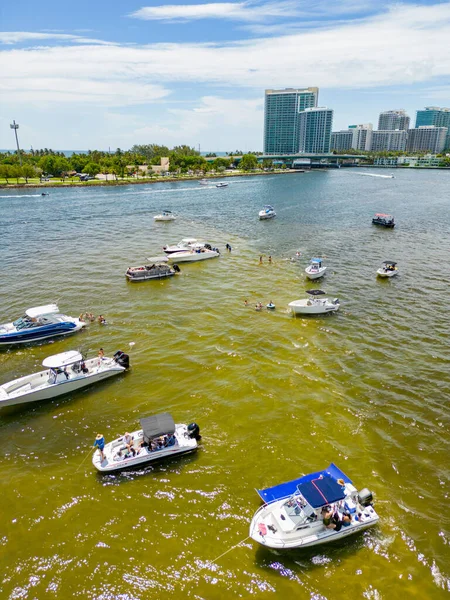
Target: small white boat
{"x":314,"y":305}
{"x":270,"y":306}
{"x":268,"y":212}
{"x":66,"y":372}
{"x":153,"y":271}
{"x":166,"y":215}
{"x":315,"y":269}
{"x":204,"y":182}
{"x":183,"y":245}
{"x":315,"y":509}
{"x":194,"y":255}
{"x":388,"y":269}
{"x":222,"y":184}
{"x":37,"y":324}
{"x":159,"y":438}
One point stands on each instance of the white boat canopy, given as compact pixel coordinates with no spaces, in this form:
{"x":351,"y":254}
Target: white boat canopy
{"x":189,"y":240}
{"x":42,"y":310}
{"x":157,"y":259}
{"x":157,"y":425}
{"x":62,"y":360}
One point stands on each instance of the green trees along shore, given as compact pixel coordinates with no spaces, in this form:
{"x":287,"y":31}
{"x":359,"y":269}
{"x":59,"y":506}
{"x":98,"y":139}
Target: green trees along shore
{"x":43,"y":164}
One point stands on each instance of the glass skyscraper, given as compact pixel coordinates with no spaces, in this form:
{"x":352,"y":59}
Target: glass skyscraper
{"x":390,"y":120}
{"x":282,"y":110}
{"x":315,"y":130}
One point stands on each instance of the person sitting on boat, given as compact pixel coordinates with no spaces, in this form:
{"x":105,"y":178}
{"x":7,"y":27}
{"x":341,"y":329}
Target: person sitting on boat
{"x":170,"y":440}
{"x":101,"y":354}
{"x":128,"y":441}
{"x":346,"y":519}
{"x":330,"y":520}
{"x":100,"y":444}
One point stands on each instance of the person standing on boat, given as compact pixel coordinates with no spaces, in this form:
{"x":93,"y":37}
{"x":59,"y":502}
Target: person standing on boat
{"x":100,"y":444}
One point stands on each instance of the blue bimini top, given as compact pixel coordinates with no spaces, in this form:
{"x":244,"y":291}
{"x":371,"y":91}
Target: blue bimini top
{"x":327,"y":489}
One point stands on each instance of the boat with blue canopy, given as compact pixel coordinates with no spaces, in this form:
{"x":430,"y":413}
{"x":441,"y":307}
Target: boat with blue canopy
{"x":268,"y":212}
{"x":37,"y":324}
{"x":314,"y":509}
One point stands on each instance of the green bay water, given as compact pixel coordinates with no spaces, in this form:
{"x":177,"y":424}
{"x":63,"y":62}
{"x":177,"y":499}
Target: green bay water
{"x":275,"y":396}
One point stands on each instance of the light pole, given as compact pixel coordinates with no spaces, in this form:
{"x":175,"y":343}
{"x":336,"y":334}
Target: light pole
{"x":15,"y":126}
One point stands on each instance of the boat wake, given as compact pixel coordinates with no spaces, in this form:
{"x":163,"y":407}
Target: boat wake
{"x":376,"y":175}
{"x":23,"y":196}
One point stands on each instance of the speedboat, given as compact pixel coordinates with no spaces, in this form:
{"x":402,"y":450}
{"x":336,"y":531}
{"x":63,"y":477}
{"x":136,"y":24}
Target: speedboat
{"x":204,"y":182}
{"x":153,"y":271}
{"x":182,"y":246}
{"x":159,"y":438}
{"x":388,"y":269}
{"x":166,"y":215}
{"x":66,"y":373}
{"x":314,"y":305}
{"x":315,"y":269}
{"x":268,"y":212}
{"x":39,"y":323}
{"x":294,"y":514}
{"x":383,"y":220}
{"x":194,"y":255}
{"x":222,"y":184}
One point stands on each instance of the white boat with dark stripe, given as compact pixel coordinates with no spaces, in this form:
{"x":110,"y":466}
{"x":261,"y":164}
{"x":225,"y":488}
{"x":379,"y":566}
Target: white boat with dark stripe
{"x":160,"y":438}
{"x":66,"y":372}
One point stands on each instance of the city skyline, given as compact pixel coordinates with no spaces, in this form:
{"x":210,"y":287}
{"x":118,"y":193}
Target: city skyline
{"x":195,"y":73}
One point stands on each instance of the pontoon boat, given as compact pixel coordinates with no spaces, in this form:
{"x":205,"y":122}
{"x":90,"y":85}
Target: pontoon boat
{"x":153,"y":271}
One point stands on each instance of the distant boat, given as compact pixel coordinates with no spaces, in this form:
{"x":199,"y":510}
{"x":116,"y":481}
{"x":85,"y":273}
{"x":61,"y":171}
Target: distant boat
{"x":315,"y":269}
{"x":388,"y":269}
{"x":314,"y":305}
{"x":377,"y":175}
{"x":268,"y":212}
{"x":153,"y":271}
{"x":222,"y":184}
{"x":384,"y":220}
{"x":166,"y":215}
{"x":204,"y":182}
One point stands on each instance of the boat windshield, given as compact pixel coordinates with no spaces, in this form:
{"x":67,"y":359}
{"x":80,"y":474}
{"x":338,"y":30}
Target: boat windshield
{"x":297,"y":508}
{"x":24,"y":323}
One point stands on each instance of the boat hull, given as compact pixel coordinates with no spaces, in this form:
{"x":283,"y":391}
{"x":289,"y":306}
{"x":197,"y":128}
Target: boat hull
{"x":39,"y":333}
{"x":161,"y":218}
{"x":305,"y":538}
{"x":384,"y":274}
{"x":264,"y":217}
{"x":180,"y":257}
{"x":301,"y":307}
{"x":20,"y":392}
{"x":315,"y":274}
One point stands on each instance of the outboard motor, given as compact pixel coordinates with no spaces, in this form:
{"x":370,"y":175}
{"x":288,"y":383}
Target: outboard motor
{"x":208,"y":246}
{"x":194,"y":431}
{"x":122,"y":359}
{"x":176,"y":268}
{"x":365,"y":497}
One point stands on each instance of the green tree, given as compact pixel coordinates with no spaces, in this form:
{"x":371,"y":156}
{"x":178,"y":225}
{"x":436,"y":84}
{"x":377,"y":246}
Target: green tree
{"x":5,"y":172}
{"x":28,"y":171}
{"x":92,"y":169}
{"x":248,"y":162}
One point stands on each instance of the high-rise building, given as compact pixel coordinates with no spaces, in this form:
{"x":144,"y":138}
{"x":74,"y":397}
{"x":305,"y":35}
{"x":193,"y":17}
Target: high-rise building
{"x":281,"y":118}
{"x":427,"y":139}
{"x":389,"y":140}
{"x":315,"y":130}
{"x":362,"y":136}
{"x":433,"y":115}
{"x":341,"y":140}
{"x":390,"y":120}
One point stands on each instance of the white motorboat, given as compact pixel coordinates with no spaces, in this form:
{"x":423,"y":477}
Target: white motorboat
{"x":159,"y":438}
{"x":315,"y":509}
{"x":154,"y":271}
{"x":166,"y":215}
{"x":315,"y":269}
{"x":184,"y":245}
{"x":222,"y":184}
{"x":268,"y":212}
{"x":388,"y":269}
{"x":66,"y":372}
{"x":204,"y":182}
{"x":194,"y":255}
{"x":39,"y":323}
{"x":314,"y":305}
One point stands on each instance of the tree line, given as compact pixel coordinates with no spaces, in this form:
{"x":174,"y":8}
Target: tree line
{"x":122,"y":163}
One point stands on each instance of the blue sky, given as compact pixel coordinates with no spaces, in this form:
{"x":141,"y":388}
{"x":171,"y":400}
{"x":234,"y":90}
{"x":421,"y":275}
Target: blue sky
{"x":102,"y":74}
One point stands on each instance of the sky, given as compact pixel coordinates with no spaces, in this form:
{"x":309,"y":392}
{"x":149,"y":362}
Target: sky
{"x":107,"y":73}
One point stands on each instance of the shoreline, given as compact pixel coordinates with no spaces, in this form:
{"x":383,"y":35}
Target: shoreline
{"x":119,"y":182}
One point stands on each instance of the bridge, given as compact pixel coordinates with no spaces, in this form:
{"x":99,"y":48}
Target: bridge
{"x":304,"y":160}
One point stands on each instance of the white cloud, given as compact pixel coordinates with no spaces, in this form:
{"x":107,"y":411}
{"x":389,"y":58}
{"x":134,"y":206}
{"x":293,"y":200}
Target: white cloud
{"x":236,"y":11}
{"x":19,"y":37}
{"x":406,"y":45}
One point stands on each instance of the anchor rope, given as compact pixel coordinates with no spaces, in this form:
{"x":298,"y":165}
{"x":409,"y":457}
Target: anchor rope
{"x":223,"y":554}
